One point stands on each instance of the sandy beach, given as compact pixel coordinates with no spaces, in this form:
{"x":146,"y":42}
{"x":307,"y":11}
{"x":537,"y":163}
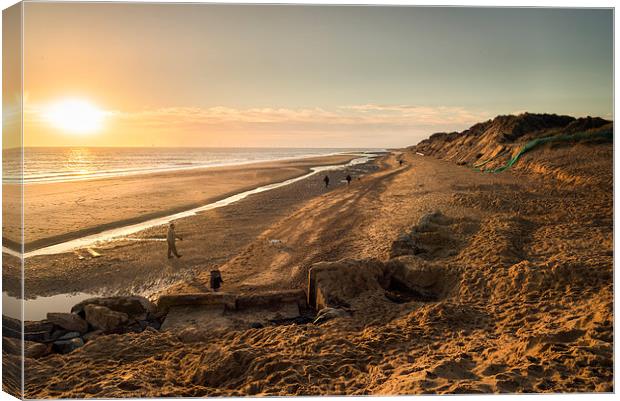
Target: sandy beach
{"x":58,"y":212}
{"x":527,"y":308}
{"x":139,"y":265}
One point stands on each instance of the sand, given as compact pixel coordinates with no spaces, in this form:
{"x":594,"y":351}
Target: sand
{"x":56,"y":212}
{"x":529,"y":308}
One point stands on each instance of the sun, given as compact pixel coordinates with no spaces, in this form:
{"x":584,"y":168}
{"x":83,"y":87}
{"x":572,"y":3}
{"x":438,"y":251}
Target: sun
{"x":75,"y":116}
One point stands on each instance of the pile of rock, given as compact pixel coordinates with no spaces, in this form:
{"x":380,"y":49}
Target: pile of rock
{"x":65,"y":332}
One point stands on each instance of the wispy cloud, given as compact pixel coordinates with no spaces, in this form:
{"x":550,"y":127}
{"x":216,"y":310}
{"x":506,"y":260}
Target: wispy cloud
{"x":355,"y":115}
{"x":405,"y":123}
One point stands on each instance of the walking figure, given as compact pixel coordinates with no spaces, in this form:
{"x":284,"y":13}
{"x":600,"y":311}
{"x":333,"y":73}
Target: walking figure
{"x":326,"y":181}
{"x":348,"y":179}
{"x":216,"y":280}
{"x":171,"y":238}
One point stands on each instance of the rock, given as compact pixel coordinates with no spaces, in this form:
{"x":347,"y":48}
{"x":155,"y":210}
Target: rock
{"x":326,"y":314}
{"x":91,"y":335}
{"x":31,"y":349}
{"x":256,"y":325}
{"x":69,"y":335}
{"x":103,"y":318}
{"x":39,"y":331}
{"x":66,"y":346}
{"x":68,"y":321}
{"x":11,"y":327}
{"x":335,"y":283}
{"x":133,"y":306}
{"x":36,"y":350}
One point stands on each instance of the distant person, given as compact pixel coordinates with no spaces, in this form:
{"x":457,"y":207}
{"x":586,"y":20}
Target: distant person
{"x":348,"y":178}
{"x":326,"y":181}
{"x":171,"y":238}
{"x":216,"y":280}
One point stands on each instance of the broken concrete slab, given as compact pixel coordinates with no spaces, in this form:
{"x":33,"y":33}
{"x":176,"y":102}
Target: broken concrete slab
{"x":331,"y":284}
{"x":165,"y":302}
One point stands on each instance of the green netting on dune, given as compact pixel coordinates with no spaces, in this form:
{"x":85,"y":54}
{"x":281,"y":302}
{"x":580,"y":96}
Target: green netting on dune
{"x":607,"y":135}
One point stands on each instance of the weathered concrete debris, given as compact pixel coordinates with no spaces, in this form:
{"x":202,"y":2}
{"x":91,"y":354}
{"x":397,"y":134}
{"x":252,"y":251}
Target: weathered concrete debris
{"x":11,"y":327}
{"x":69,"y":335}
{"x":402,"y":279}
{"x":133,"y":306}
{"x":227,"y":301}
{"x":326,"y":314}
{"x":66,"y":346}
{"x":222,"y":311}
{"x":31,"y":349}
{"x":39,"y":331}
{"x":333,"y":283}
{"x":104,"y":318}
{"x":430,"y":280}
{"x":91,"y":335}
{"x":268,"y":298}
{"x":68,"y":321}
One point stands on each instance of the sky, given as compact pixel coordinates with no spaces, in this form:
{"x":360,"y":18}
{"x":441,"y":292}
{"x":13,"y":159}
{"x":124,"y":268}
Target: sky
{"x":304,"y":76}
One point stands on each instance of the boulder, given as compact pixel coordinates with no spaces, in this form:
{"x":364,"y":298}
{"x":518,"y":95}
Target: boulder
{"x":91,"y":335}
{"x":68,"y":321}
{"x":11,"y":327}
{"x":36,"y":350}
{"x":334,"y":283}
{"x":133,"y":306}
{"x":104,"y":318}
{"x":66,"y":346}
{"x":39,"y":331}
{"x":31,"y":349}
{"x":69,"y":335}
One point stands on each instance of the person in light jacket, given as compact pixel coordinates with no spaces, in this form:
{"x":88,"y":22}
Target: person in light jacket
{"x":171,"y":239}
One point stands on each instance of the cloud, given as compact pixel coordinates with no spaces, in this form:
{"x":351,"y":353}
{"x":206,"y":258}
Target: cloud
{"x":363,"y":124}
{"x":369,"y":115}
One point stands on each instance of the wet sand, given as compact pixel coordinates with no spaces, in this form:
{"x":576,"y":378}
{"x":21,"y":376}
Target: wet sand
{"x":529,"y":307}
{"x":57,"y":212}
{"x":139,"y":264}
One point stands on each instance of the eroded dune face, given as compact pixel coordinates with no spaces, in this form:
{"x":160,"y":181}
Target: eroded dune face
{"x":517,"y":265}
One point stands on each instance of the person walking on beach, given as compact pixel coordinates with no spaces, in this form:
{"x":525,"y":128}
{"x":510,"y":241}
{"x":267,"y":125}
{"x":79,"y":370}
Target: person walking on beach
{"x":326,"y":181}
{"x":348,"y":178}
{"x":171,"y":238}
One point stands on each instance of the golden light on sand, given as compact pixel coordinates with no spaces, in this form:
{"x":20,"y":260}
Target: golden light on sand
{"x":75,"y":116}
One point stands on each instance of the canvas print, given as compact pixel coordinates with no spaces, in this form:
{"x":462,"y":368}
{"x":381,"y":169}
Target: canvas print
{"x":282,"y":200}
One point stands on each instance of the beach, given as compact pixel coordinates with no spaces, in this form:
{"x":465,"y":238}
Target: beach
{"x":528,"y":307}
{"x":523,"y":262}
{"x":139,"y":264}
{"x":57,"y":212}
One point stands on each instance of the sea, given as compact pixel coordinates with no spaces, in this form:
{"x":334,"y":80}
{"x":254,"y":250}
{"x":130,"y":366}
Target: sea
{"x":61,"y":164}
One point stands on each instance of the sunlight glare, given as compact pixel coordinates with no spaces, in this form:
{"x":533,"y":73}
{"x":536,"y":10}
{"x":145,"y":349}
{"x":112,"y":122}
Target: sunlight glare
{"x":75,"y":116}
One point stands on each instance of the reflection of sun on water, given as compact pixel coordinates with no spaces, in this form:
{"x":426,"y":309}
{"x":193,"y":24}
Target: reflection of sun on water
{"x":75,"y":116}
